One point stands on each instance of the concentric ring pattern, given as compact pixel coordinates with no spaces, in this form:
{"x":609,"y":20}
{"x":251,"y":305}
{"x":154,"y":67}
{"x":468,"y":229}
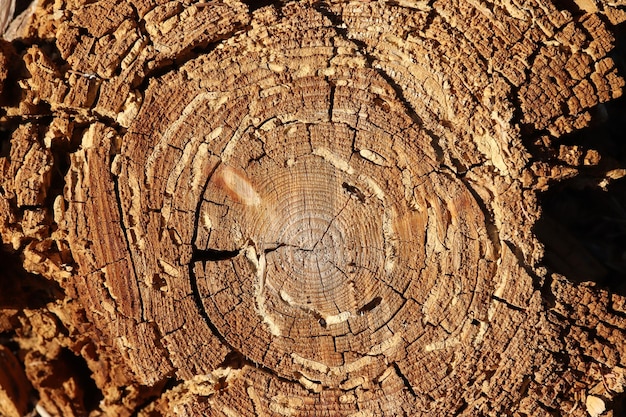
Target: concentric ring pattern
{"x":317,"y":207}
{"x":324,"y":240}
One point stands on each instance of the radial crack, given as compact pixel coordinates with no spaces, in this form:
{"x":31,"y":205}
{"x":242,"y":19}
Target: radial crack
{"x":330,"y":224}
{"x":213,"y":255}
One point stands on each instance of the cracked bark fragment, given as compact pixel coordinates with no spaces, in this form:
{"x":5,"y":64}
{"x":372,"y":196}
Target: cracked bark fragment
{"x":306,"y":208}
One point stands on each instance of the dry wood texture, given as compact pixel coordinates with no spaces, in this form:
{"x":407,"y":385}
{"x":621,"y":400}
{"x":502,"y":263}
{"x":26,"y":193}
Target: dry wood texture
{"x":302,"y":209}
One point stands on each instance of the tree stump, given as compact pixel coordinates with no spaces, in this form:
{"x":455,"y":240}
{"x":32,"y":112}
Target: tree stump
{"x":301,"y":209}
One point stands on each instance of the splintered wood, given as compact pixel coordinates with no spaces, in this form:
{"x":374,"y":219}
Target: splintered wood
{"x":313,"y":208}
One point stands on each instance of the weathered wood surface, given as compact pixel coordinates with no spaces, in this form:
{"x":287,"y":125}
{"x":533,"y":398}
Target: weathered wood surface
{"x":312,"y":208}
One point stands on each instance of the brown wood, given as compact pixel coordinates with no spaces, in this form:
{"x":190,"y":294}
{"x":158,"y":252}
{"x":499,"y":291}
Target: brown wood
{"x":311,"y":208}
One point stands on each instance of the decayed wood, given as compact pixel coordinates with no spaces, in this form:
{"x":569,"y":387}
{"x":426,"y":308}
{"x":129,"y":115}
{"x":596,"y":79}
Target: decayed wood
{"x":313,"y":208}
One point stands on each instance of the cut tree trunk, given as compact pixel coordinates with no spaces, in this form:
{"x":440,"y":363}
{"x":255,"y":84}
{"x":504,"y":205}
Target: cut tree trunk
{"x":301,"y":209}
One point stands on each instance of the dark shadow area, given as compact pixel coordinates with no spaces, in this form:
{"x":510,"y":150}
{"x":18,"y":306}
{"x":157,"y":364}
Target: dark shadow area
{"x":619,"y":405}
{"x":20,"y":6}
{"x":257,"y":4}
{"x":584,"y":233}
{"x":570,"y":5}
{"x":20,"y":289}
{"x":5,"y":139}
{"x":78,"y":368}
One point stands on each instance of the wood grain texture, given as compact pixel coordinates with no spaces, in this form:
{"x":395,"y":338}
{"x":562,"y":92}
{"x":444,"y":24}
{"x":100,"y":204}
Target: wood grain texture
{"x":311,"y":208}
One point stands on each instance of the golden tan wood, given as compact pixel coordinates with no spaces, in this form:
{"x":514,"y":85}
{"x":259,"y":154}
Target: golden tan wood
{"x":313,"y":208}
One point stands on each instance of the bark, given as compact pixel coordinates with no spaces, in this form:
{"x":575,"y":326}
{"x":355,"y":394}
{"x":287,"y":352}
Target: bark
{"x":311,"y":208}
